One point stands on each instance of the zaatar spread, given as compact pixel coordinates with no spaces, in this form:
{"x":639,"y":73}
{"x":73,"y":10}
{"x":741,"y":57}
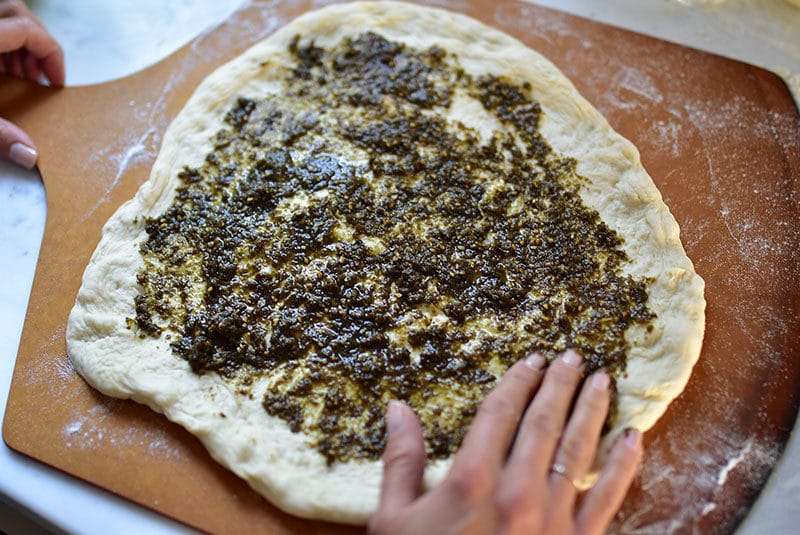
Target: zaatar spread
{"x":350,"y":241}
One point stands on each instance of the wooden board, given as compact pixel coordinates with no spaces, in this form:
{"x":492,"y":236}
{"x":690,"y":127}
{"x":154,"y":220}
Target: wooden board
{"x":720,"y":138}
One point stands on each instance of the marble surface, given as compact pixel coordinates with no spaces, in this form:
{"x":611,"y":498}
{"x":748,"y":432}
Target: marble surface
{"x":108,"y":39}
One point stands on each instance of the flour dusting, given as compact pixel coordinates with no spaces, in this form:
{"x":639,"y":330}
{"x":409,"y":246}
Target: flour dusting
{"x":55,"y":376}
{"x":632,"y":89}
{"x":733,"y":462}
{"x":717,"y":460}
{"x":94,"y":429}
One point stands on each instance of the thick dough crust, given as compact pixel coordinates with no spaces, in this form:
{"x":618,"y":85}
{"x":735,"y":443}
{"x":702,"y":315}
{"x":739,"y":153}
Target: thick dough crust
{"x":261,"y":449}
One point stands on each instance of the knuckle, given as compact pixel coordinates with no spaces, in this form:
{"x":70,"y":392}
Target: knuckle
{"x":401,"y":454}
{"x":545,"y":423}
{"x":514,"y":378}
{"x":573,"y":451}
{"x":378,"y":523}
{"x":593,"y":396}
{"x":470,"y":481}
{"x":623,"y":468}
{"x":564,"y":374}
{"x":398,"y":456}
{"x":596,"y":402}
{"x":9,"y":9}
{"x":522,"y":373}
{"x":604,"y":502}
{"x":22,"y":23}
{"x":393,"y":461}
{"x":513,"y":504}
{"x":560,"y":527}
{"x":500,"y":407}
{"x":518,"y":506}
{"x":518,"y":380}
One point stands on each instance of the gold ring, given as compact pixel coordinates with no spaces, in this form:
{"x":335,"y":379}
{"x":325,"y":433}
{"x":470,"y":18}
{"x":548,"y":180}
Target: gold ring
{"x":561,"y":470}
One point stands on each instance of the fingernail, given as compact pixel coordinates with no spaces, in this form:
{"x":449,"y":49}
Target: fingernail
{"x":571,"y":358}
{"x":22,"y":155}
{"x":633,"y":438}
{"x":535,"y":361}
{"x":394,"y":417}
{"x":600,"y":381}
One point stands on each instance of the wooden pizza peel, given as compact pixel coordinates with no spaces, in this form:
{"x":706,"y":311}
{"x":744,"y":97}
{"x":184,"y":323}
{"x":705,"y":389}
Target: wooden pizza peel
{"x":720,"y":138}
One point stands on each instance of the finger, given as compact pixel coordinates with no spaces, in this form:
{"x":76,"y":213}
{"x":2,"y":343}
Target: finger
{"x":603,"y":501}
{"x":494,"y":427}
{"x":23,"y":11}
{"x":31,"y":69}
{"x":16,"y":146}
{"x":14,"y":64}
{"x":11,"y":9}
{"x":403,"y":458}
{"x":23,"y":33}
{"x":578,"y":445}
{"x":543,"y":423}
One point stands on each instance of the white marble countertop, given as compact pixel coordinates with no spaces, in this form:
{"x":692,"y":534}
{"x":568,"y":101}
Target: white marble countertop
{"x":108,"y":39}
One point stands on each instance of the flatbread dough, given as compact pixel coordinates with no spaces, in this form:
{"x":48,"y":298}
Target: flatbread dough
{"x":118,"y":360}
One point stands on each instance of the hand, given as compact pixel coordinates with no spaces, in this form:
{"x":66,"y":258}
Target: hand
{"x":503,"y":478}
{"x":28,"y":51}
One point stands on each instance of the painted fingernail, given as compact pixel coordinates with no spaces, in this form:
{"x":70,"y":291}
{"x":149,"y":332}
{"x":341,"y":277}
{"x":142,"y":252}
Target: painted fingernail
{"x":633,"y":438}
{"x":22,"y":155}
{"x":394,"y":417}
{"x":571,"y":358}
{"x":535,"y":361}
{"x":600,"y":381}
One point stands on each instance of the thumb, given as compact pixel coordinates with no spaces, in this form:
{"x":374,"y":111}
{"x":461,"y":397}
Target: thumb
{"x":403,"y":458}
{"x":16,"y":146}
